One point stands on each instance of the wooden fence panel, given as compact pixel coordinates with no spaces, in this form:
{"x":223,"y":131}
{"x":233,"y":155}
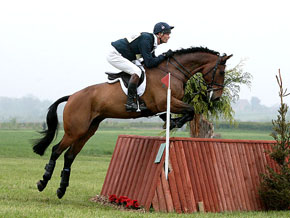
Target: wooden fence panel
{"x":222,"y":174}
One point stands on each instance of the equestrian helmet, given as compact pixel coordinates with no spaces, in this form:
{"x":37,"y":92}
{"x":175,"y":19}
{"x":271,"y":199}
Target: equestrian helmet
{"x":162,"y":27}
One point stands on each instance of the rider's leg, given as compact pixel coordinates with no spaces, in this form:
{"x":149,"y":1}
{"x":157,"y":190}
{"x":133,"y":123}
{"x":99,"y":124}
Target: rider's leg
{"x":131,"y":105}
{"x":121,"y":63}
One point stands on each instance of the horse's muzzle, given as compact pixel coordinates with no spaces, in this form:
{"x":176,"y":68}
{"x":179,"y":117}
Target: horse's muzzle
{"x":216,"y":99}
{"x":212,"y":96}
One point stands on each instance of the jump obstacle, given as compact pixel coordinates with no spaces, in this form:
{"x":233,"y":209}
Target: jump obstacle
{"x":212,"y":175}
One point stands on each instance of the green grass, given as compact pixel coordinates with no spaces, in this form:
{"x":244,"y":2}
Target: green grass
{"x":19,"y":143}
{"x":244,"y":134}
{"x":20,"y":169}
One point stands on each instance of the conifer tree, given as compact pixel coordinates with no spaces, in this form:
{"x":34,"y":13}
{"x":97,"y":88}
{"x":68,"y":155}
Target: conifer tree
{"x":275,"y":186}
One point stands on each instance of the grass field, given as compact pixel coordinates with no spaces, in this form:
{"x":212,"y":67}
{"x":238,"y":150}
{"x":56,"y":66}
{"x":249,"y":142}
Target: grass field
{"x":20,"y":169}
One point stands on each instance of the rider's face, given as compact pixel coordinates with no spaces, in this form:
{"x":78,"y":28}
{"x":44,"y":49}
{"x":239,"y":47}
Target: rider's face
{"x":164,"y":37}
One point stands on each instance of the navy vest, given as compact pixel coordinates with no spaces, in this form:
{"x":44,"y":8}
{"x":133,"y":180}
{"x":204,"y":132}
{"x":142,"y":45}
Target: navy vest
{"x":144,"y":45}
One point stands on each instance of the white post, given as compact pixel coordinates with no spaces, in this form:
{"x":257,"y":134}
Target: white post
{"x":167,"y":128}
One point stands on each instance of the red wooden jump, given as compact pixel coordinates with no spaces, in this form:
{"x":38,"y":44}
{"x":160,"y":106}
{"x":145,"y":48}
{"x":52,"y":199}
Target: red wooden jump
{"x":222,"y":174}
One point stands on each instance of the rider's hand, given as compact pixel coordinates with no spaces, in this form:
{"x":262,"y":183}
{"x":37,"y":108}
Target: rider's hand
{"x":168,"y":54}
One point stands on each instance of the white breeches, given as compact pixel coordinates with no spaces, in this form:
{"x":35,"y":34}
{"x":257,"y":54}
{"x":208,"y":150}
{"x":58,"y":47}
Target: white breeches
{"x":121,"y":63}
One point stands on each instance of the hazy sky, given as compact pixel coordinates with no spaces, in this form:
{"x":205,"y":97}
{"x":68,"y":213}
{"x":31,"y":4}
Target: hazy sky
{"x":54,"y":48}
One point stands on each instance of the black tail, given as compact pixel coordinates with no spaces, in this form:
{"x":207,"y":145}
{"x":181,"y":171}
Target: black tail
{"x":52,"y":126}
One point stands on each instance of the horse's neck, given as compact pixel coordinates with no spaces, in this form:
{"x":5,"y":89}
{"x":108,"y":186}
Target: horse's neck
{"x":195,"y":62}
{"x":186,"y":65}
{"x":198,"y":59}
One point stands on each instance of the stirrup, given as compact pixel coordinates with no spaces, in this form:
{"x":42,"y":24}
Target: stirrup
{"x":131,"y":107}
{"x":142,"y":106}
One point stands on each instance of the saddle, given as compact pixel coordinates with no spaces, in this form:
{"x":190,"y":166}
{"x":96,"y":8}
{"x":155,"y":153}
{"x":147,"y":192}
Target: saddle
{"x":125,"y":77}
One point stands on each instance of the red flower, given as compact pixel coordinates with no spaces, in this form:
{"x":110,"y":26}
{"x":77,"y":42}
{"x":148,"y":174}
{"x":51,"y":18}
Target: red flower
{"x":113,"y":198}
{"x":123,"y":199}
{"x":129,"y":203}
{"x":136,"y":205}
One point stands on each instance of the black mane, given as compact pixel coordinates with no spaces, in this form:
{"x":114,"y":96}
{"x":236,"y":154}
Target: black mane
{"x":196,"y":49}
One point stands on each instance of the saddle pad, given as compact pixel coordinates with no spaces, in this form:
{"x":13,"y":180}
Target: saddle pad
{"x":124,"y":78}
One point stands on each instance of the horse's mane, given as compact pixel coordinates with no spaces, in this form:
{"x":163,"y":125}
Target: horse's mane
{"x":195,"y":49}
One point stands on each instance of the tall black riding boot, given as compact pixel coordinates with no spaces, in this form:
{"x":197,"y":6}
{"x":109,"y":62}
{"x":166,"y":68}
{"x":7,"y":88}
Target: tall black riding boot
{"x":131,"y":105}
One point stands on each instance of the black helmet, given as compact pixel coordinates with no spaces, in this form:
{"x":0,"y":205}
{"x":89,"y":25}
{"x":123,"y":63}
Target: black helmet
{"x":162,"y":27}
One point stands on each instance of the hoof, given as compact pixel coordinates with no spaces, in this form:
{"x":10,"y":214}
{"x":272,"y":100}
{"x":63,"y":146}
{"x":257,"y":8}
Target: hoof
{"x":41,"y":185}
{"x":172,"y":126}
{"x":164,"y":126}
{"x":60,"y":193}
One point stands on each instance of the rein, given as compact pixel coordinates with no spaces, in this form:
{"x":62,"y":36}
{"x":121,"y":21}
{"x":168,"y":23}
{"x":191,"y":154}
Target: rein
{"x":181,"y":68}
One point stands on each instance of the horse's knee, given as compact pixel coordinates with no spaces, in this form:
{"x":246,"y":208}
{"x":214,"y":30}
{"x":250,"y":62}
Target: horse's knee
{"x":189,"y":110}
{"x":184,"y":119}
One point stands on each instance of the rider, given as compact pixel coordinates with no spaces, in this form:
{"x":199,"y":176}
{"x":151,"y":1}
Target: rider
{"x":125,"y":55}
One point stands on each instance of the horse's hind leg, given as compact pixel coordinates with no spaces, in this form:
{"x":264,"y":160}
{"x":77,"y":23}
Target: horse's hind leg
{"x":69,"y":157}
{"x":65,"y":173}
{"x":49,"y":168}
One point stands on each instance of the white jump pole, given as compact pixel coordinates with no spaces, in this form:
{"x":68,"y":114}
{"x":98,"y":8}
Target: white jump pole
{"x":167,"y":128}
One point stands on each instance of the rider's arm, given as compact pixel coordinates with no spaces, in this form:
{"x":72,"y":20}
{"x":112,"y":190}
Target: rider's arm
{"x":145,"y":47}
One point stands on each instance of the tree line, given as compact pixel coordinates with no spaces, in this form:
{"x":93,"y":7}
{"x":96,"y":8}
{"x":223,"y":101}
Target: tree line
{"x":30,"y":109}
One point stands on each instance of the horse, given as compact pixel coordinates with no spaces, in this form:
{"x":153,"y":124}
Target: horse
{"x":87,"y":108}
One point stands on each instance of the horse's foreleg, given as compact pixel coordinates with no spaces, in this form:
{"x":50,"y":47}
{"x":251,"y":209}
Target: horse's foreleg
{"x":49,"y":168}
{"x":172,"y":121}
{"x":182,"y":120}
{"x":180,"y":107}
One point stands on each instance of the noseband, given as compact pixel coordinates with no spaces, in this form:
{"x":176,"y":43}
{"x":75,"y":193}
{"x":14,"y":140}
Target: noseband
{"x":188,"y":73}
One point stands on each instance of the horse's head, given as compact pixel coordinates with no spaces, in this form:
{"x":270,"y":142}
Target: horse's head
{"x":214,"y":75}
{"x":187,"y":62}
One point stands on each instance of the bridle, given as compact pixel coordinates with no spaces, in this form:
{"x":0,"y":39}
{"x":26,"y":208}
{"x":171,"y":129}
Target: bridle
{"x":212,"y":83}
{"x":188,"y":74}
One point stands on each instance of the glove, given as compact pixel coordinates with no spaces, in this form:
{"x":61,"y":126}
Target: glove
{"x":168,"y":54}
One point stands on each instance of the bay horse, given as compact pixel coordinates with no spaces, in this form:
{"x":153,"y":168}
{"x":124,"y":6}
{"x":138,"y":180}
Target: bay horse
{"x":87,"y":108}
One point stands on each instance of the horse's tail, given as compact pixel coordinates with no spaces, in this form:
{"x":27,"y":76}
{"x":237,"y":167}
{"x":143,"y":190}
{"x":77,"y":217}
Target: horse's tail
{"x":52,"y":127}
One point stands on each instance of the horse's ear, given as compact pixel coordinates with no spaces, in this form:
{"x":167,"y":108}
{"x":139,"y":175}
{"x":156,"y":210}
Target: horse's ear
{"x":225,"y":58}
